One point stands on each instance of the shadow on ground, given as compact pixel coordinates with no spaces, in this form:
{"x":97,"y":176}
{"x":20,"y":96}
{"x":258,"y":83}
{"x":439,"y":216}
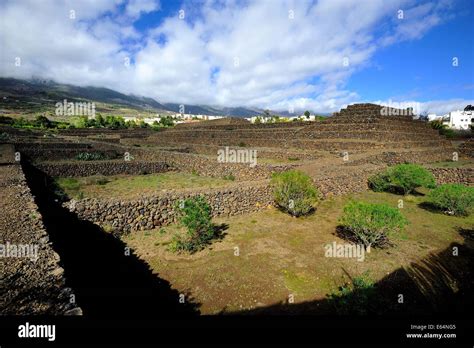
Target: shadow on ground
{"x":441,"y":283}
{"x":106,"y":282}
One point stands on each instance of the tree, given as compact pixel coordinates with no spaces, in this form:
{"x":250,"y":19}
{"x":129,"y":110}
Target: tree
{"x":43,"y":121}
{"x":167,"y":121}
{"x":99,"y":120}
{"x":82,"y":122}
{"x":307,"y":114}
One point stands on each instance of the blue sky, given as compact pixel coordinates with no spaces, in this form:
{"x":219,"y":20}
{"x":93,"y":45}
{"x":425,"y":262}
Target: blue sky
{"x":278,"y":54}
{"x":423,"y":68}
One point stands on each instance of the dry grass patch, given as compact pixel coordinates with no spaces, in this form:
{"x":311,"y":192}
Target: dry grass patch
{"x":279,"y":255}
{"x":130,"y":186}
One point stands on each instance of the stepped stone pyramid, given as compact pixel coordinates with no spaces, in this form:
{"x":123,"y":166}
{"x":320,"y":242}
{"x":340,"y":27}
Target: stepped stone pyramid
{"x":368,"y":110}
{"x":359,"y":128}
{"x":393,"y":130}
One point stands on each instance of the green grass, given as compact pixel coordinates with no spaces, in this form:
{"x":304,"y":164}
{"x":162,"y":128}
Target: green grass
{"x":122,"y":186}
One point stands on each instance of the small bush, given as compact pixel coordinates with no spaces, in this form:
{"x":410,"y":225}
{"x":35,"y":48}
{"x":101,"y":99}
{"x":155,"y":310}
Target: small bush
{"x":455,"y":199}
{"x":403,"y":178}
{"x":195,"y":215}
{"x":379,"y":182}
{"x":230,"y":177}
{"x":437,"y":124}
{"x":294,"y":192}
{"x":102,"y":181}
{"x":90,"y":156}
{"x":407,"y":177}
{"x":372,"y":224}
{"x":356,"y":297}
{"x":448,"y":133}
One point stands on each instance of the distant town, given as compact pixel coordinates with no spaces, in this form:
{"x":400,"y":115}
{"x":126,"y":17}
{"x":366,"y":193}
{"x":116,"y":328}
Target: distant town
{"x":457,"y":119}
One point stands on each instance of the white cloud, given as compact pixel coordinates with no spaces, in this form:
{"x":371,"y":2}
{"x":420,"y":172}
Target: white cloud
{"x":439,"y":107}
{"x":136,"y":7}
{"x":222,"y":53}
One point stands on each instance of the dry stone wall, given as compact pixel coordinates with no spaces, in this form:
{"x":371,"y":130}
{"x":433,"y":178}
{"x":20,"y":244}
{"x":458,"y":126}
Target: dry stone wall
{"x":123,"y":216}
{"x":467,"y":148}
{"x":159,"y":210}
{"x":208,"y":166}
{"x":32,"y":279}
{"x":392,"y":158}
{"x":453,"y":175}
{"x":86,"y":168}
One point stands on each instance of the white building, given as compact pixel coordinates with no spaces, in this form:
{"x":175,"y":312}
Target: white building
{"x":459,"y":119}
{"x":197,"y":117}
{"x":270,"y":119}
{"x":434,"y":117}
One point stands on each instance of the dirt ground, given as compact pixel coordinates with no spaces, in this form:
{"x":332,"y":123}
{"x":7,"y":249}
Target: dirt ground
{"x":267,"y":258}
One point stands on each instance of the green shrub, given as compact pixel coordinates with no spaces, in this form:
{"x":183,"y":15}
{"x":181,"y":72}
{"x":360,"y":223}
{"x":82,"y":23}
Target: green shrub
{"x":90,"y":156}
{"x":294,"y":192}
{"x":455,"y":199}
{"x":437,"y":124}
{"x":194,"y":214}
{"x":230,"y":177}
{"x":372,"y":224}
{"x":356,"y":297}
{"x":403,"y":178}
{"x":102,"y":181}
{"x":448,"y":133}
{"x":379,"y":182}
{"x":407,"y":177}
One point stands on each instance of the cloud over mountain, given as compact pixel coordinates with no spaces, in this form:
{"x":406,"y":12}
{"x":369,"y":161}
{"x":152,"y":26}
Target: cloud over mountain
{"x":270,"y":54}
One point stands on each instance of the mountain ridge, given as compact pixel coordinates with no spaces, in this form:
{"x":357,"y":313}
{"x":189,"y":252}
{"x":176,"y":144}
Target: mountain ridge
{"x":48,"y":91}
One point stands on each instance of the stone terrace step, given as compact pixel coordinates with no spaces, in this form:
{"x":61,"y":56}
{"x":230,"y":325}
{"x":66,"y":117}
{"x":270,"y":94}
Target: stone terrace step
{"x":414,"y":129}
{"x":387,"y":135}
{"x":370,"y":118}
{"x":52,"y":145}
